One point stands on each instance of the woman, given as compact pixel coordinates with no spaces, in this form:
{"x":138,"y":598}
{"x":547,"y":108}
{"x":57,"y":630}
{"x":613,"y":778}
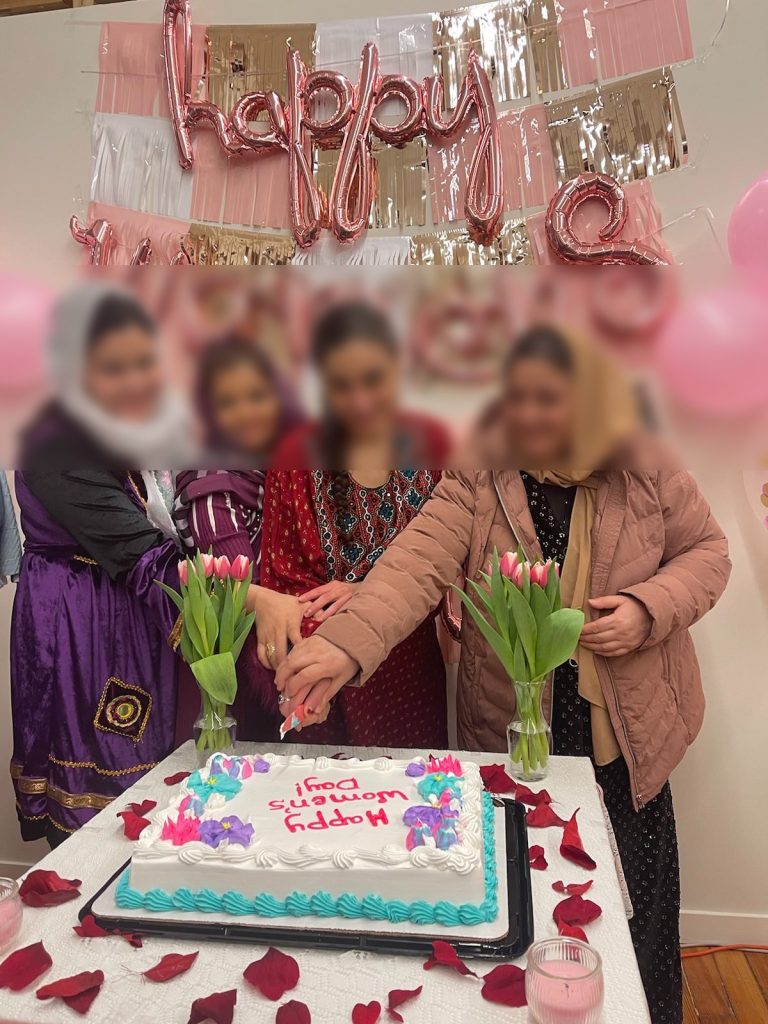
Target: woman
{"x":641,"y":554}
{"x":325,"y":529}
{"x":246,"y":409}
{"x":92,"y":664}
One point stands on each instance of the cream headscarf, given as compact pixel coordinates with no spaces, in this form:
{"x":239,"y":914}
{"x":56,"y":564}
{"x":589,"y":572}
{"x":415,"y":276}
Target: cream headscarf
{"x":606,"y":414}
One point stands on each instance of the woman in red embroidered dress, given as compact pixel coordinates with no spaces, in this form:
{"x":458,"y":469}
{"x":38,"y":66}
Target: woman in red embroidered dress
{"x":324,"y":528}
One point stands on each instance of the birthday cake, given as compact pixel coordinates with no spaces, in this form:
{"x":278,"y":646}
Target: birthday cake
{"x":285,"y":837}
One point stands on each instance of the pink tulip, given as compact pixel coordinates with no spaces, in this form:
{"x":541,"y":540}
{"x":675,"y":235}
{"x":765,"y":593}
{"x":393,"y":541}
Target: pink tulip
{"x":517,"y":579}
{"x":222,"y":567}
{"x":240,"y":568}
{"x":540,"y":573}
{"x":508,"y":564}
{"x":183,"y":572}
{"x":208,"y":565}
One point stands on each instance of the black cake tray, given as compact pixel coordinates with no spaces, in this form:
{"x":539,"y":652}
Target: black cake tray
{"x":517,"y":940}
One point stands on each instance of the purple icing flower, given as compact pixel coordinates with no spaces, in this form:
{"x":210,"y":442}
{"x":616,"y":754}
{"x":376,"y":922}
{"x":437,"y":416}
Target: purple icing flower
{"x":415,"y":770}
{"x":260,"y":765}
{"x":422,"y":815}
{"x":231,"y":828}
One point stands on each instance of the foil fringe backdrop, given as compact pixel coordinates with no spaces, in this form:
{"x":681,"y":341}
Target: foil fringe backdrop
{"x":631,"y":129}
{"x":541,"y":18}
{"x":211,"y":246}
{"x":453,"y":247}
{"x":497,"y":31}
{"x":251,"y":58}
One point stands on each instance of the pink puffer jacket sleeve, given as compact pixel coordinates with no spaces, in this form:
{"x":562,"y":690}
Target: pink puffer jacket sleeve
{"x":410,"y":578}
{"x":695,"y":566}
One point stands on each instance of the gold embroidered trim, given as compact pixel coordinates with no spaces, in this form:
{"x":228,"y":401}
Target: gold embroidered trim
{"x":174,"y":637}
{"x":31,"y":787}
{"x":136,"y":490}
{"x":84,"y":558}
{"x":78,"y":801}
{"x":61,"y":828}
{"x":102,"y":771}
{"x":29,"y":817}
{"x":102,"y":701}
{"x":16,"y":770}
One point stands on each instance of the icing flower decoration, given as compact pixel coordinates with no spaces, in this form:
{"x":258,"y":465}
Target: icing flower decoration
{"x":416,"y":769}
{"x":216,"y":782}
{"x":422,"y":822}
{"x":182,"y":830}
{"x":433,"y":785}
{"x":449,"y":765}
{"x":261,"y":766}
{"x":231,"y":829}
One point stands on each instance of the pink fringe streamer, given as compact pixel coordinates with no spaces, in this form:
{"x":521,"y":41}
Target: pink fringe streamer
{"x":131,"y":227}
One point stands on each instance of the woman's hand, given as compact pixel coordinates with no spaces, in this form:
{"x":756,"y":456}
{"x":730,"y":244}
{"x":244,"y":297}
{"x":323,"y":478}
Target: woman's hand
{"x":278,"y":621}
{"x":312,"y":675}
{"x":324,"y":601}
{"x":626,"y":627}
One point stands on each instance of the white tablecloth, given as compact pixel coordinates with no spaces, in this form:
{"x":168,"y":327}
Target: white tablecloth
{"x":331,"y":983}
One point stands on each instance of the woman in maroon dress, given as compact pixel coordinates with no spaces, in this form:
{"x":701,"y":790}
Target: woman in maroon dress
{"x":325,"y":527}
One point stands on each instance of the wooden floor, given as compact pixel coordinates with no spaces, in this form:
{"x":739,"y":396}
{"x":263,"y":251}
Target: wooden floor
{"x":726,"y":988}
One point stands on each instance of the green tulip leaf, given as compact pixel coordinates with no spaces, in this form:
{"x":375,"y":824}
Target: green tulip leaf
{"x":216,"y":675}
{"x":558,"y":639}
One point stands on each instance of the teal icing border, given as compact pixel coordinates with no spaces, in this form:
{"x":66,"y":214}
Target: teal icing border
{"x":322,"y":904}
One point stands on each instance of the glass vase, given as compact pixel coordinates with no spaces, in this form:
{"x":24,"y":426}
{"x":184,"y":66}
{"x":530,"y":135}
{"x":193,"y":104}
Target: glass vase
{"x":215,"y":730}
{"x":529,"y":738}
{"x":11,"y":911}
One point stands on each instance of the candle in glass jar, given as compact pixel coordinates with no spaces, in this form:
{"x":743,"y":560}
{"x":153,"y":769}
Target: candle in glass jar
{"x":563,"y":995}
{"x":10,"y":911}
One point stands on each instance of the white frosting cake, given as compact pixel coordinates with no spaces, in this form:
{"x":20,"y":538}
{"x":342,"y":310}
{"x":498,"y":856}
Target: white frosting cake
{"x":286,"y":836}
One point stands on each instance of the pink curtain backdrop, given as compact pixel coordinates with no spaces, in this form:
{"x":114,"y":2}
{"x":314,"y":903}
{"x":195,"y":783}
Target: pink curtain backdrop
{"x":249,"y":191}
{"x":529,"y":170}
{"x":130,"y":227}
{"x":602,"y":39}
{"x":131,"y":75}
{"x":643,"y":223}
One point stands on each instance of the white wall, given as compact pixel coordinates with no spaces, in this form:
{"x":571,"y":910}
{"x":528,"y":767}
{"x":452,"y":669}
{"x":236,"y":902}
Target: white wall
{"x":720,"y":791}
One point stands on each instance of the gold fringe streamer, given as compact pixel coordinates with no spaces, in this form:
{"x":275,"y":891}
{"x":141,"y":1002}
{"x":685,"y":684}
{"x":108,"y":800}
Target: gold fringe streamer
{"x":497,"y":32}
{"x":541,"y":19}
{"x":632,"y":129}
{"x":252,"y":58}
{"x":402,"y":181}
{"x":453,"y":247}
{"x":210,"y":246}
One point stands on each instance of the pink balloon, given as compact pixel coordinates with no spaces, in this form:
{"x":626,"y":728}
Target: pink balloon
{"x":748,"y":230}
{"x":713,"y":355}
{"x":25,"y":307}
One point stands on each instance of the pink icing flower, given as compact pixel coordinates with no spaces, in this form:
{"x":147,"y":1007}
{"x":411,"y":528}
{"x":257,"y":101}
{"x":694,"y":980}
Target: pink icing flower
{"x":508,"y":564}
{"x":240,"y":568}
{"x":183,"y":572}
{"x":222,"y":567}
{"x":183,"y":830}
{"x":208,"y":564}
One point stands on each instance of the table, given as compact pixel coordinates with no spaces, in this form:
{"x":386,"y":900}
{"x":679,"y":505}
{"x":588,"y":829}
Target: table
{"x":331,"y":983}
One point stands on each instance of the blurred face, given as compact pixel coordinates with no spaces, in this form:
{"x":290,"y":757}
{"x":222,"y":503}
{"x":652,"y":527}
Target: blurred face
{"x":245,"y":408}
{"x":538,"y":409}
{"x":361,"y":383}
{"x":123,"y":373}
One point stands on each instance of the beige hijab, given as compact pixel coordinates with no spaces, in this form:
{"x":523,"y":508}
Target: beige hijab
{"x":606,"y":414}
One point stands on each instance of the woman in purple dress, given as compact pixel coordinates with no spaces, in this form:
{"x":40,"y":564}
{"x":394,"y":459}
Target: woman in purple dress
{"x":246,"y":409}
{"x":93,"y":671}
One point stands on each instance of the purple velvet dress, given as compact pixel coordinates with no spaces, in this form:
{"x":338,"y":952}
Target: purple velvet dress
{"x":93,"y":674}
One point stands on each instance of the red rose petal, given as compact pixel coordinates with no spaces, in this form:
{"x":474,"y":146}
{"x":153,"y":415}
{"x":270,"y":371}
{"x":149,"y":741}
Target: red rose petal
{"x":537,"y":859}
{"x":88,"y":929}
{"x":143,"y":808}
{"x":571,"y":846}
{"x":77,"y":991}
{"x":170,"y":966}
{"x":133,"y":824}
{"x":571,"y":931}
{"x":496,"y":780}
{"x":397,"y":997}
{"x":24,"y":966}
{"x":543,"y":817}
{"x":48,"y":889}
{"x":505,"y":984}
{"x":444,"y":955}
{"x":218,"y":1007}
{"x":173,"y":780}
{"x":573,"y":888}
{"x":575,"y":910}
{"x":274,"y":975}
{"x":366,"y":1013}
{"x":524,"y":795}
{"x":293,"y":1012}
